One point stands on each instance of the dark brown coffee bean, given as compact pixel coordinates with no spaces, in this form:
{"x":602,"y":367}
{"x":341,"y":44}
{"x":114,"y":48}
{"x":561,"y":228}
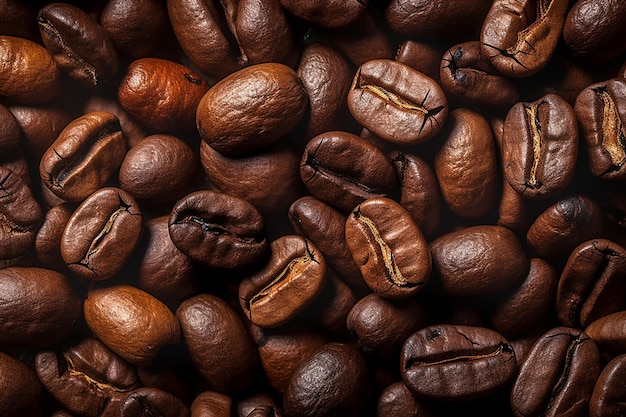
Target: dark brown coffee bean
{"x":234,"y":121}
{"x":396,"y":102}
{"x":131,"y":322}
{"x":422,"y":55}
{"x":466,"y":164}
{"x":334,"y":14}
{"x":29,"y":73}
{"x":19,"y":19}
{"x":211,"y":404}
{"x":520,"y":37}
{"x":38,"y":307}
{"x":21,"y":392}
{"x":161,"y":94}
{"x":292,"y":278}
{"x":258,"y":405}
{"x":609,"y":391}
{"x":332,"y":381}
{"x":218,"y":230}
{"x":48,"y":239}
{"x":20,"y":215}
{"x":331,"y":307}
{"x":558,"y":376}
{"x":478,"y":261}
{"x":389,"y":248}
{"x":342,"y":170}
{"x":397,"y":401}
{"x":513,"y":210}
{"x":10,"y":133}
{"x":102,"y":234}
{"x":540,"y":147}
{"x":86,"y":377}
{"x":153,"y":402}
{"x":601,"y":113}
{"x":456,"y":363}
{"x":609,"y":333}
{"x":218,"y":342}
{"x":85,"y":155}
{"x":78,"y":44}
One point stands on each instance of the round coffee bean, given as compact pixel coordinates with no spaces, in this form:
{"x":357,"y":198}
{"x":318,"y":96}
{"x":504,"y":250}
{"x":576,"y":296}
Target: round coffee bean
{"x":609,"y":391}
{"x":21,"y":392}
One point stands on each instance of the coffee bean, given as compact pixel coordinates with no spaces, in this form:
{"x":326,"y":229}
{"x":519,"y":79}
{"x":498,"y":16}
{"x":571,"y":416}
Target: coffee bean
{"x":608,"y":391}
{"x":21,"y":391}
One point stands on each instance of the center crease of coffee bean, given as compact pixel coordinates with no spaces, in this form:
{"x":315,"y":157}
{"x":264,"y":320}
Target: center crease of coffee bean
{"x":613,"y":138}
{"x":535,"y":130}
{"x":501,"y":348}
{"x":394,"y":98}
{"x":72,"y":371}
{"x":10,"y":227}
{"x":215,"y":229}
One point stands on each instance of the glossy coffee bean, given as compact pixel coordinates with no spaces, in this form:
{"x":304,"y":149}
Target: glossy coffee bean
{"x":422,"y":55}
{"x":558,"y":375}
{"x":396,"y":102}
{"x":101,"y":234}
{"x":131,"y":128}
{"x":258,"y":405}
{"x":540,"y":147}
{"x":39,"y":307}
{"x":292,"y":278}
{"x":334,"y":14}
{"x":389,"y":248}
{"x":455,"y":363}
{"x":84,"y":156}
{"x":609,"y":333}
{"x":152,"y":401}
{"x":397,"y":400}
{"x":211,"y":404}
{"x":48,"y":240}
{"x":21,"y":393}
{"x":131,"y":322}
{"x":608,"y":392}
{"x":234,"y":121}
{"x":218,"y":342}
{"x":78,"y":44}
{"x":10,"y":132}
{"x":218,"y":230}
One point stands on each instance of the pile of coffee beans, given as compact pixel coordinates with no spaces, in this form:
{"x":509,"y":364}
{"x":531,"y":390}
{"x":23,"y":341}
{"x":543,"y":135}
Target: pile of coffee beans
{"x":312,"y":208}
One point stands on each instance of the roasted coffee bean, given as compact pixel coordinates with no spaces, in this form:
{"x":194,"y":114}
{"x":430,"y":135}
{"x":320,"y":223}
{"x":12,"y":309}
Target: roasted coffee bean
{"x":331,"y":307}
{"x":334,"y":14}
{"x":218,"y":230}
{"x":292,"y":278}
{"x":332,"y":381}
{"x":20,"y":215}
{"x":209,"y":325}
{"x":478,"y":261}
{"x":258,"y":405}
{"x":153,"y":402}
{"x":540,"y":147}
{"x":396,"y":400}
{"x":131,"y":322}
{"x":19,"y":19}
{"x":558,"y":376}
{"x":609,"y":333}
{"x":396,"y":102}
{"x":211,"y":404}
{"x":342,"y":170}
{"x":101,"y":234}
{"x":455,"y":363}
{"x":29,"y":73}
{"x":520,"y":37}
{"x":602,"y":115}
{"x":234,"y":121}
{"x":21,"y":392}
{"x":48,"y":239}
{"x":389,"y":248}
{"x":422,"y":55}
{"x":609,"y":391}
{"x":161,"y":94}
{"x":10,"y":133}
{"x":85,"y":155}
{"x":131,"y":128}
{"x":466,"y":164}
{"x":38,"y":307}
{"x":78,"y":44}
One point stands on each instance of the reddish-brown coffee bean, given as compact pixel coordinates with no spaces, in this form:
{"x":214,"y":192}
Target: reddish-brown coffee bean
{"x":251,"y":108}
{"x":132,"y":129}
{"x":218,"y":342}
{"x":29,"y":73}
{"x":78,"y":44}
{"x":102,"y":234}
{"x":609,"y":391}
{"x":520,"y":37}
{"x":131,"y":322}
{"x":540,"y":147}
{"x":478,"y":261}
{"x":396,"y":102}
{"x":422,"y":55}
{"x":292,"y":278}
{"x":258,"y":405}
{"x":466,"y":164}
{"x":85,"y":155}
{"x":455,"y":363}
{"x":601,"y":112}
{"x":48,"y":239}
{"x":20,"y":215}
{"x":152,"y":401}
{"x":211,"y":404}
{"x":21,"y":393}
{"x":10,"y":133}
{"x":19,"y":19}
{"x":389,"y":248}
{"x":609,"y":332}
{"x":396,"y":400}
{"x":218,"y":230}
{"x":161,"y":94}
{"x":38,"y":307}
{"x":333,"y":14}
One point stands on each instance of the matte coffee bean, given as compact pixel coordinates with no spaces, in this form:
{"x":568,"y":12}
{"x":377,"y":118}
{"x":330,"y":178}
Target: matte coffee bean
{"x":540,"y":147}
{"x":456,"y":363}
{"x":78,"y":44}
{"x":520,"y":37}
{"x":218,"y":342}
{"x":218,"y":230}
{"x":21,"y":393}
{"x":85,"y":155}
{"x":131,"y":322}
{"x":10,"y":132}
{"x":342,"y":170}
{"x":389,"y":248}
{"x":101,"y":234}
{"x":38,"y":307}
{"x":608,"y":392}
{"x":558,"y":375}
{"x":292,"y":278}
{"x":152,"y":401}
{"x":234,"y":121}
{"x":331,"y":307}
{"x":396,"y":102}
